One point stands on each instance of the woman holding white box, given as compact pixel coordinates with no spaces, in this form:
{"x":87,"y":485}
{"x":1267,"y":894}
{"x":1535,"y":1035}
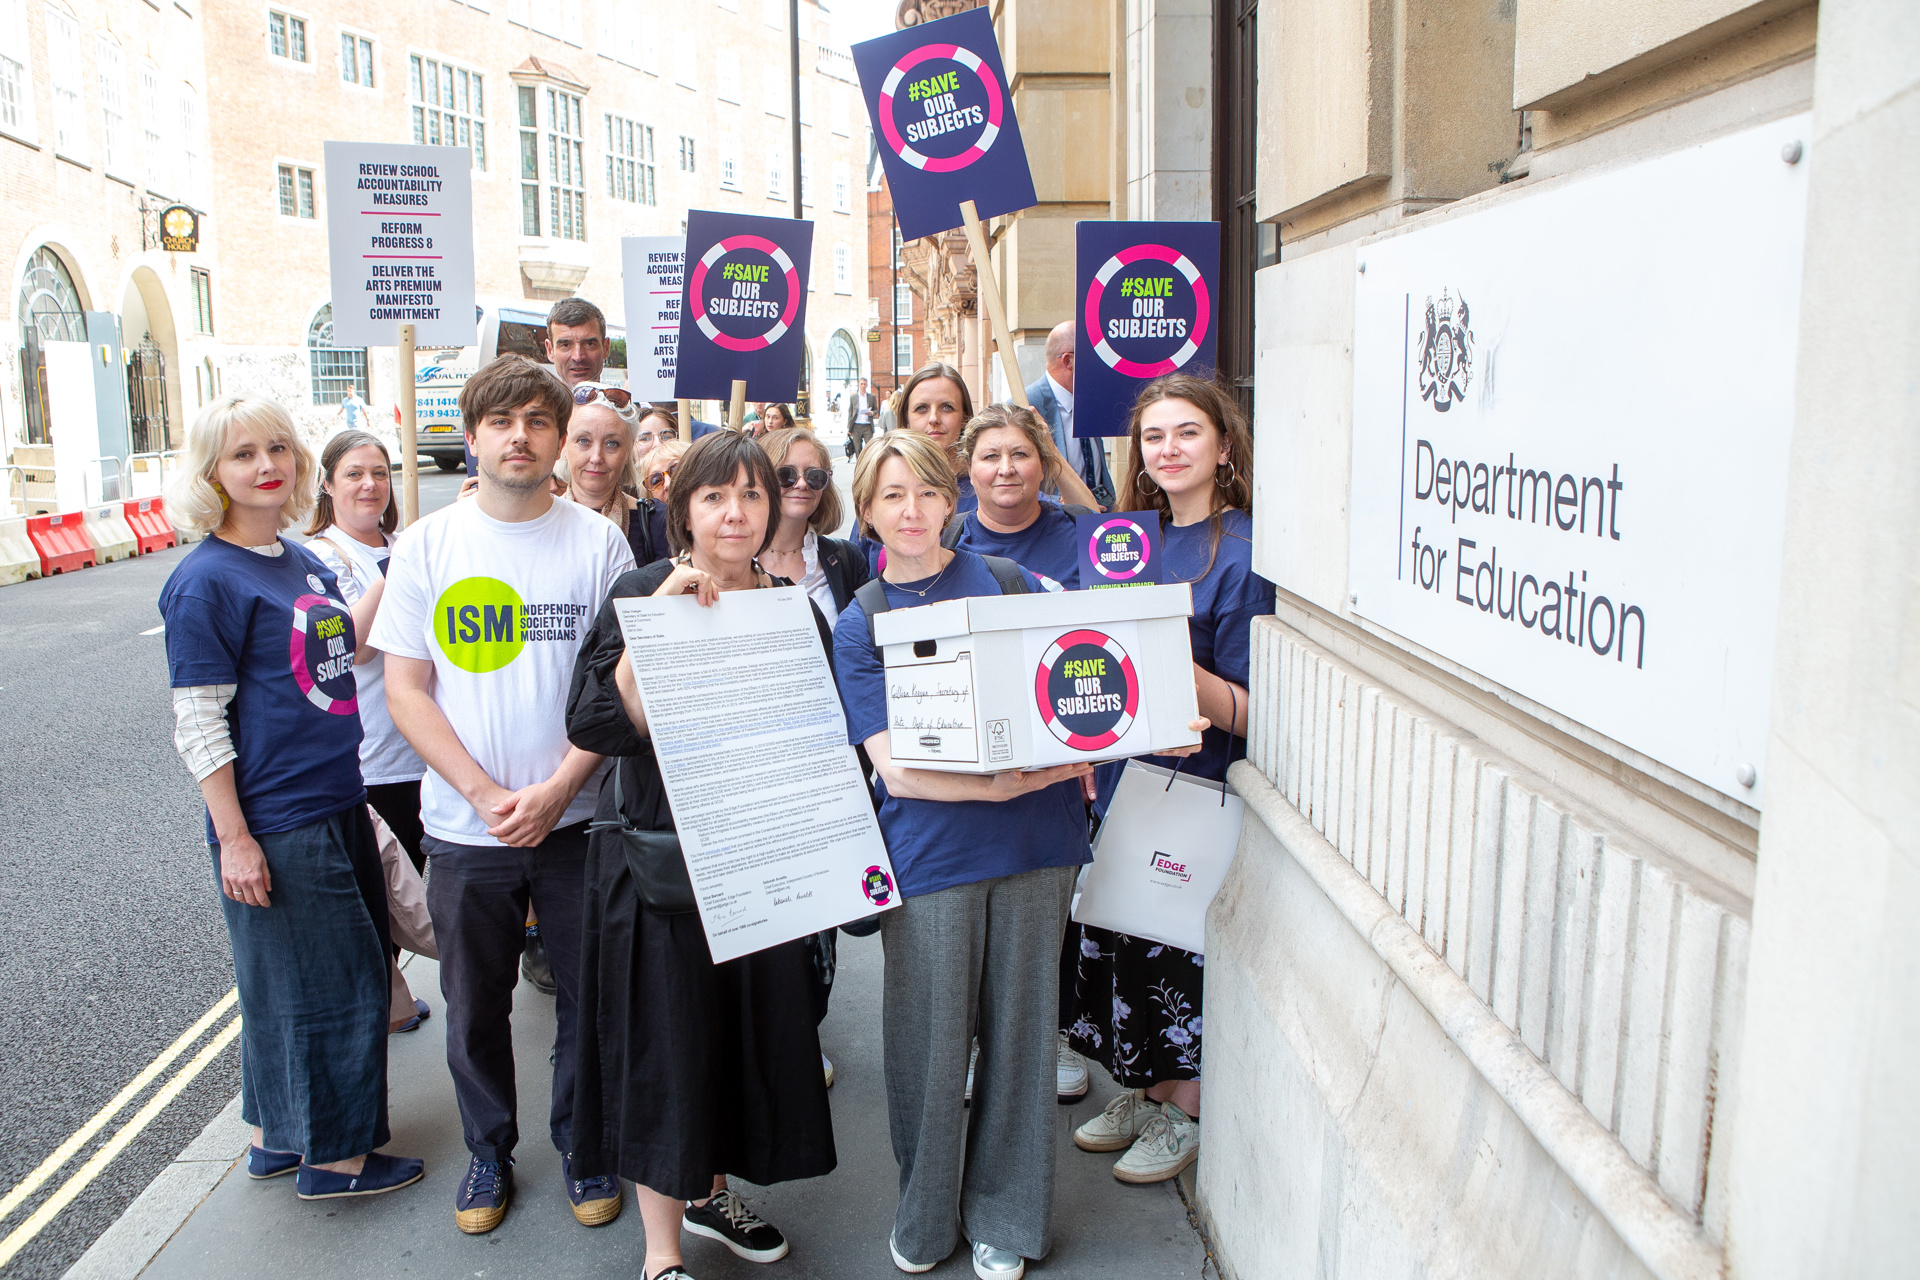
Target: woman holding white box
{"x":1138,"y":1001}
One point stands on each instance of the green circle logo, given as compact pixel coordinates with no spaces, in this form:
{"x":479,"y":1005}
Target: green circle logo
{"x":478,"y":624}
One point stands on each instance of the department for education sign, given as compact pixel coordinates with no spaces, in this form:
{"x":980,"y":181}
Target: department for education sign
{"x":1571,"y":420}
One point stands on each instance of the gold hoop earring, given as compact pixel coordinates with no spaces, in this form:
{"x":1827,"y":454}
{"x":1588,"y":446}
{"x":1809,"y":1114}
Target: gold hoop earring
{"x":1232,"y":476}
{"x":1146,"y":483}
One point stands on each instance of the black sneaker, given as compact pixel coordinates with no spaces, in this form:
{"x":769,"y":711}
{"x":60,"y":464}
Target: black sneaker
{"x":727,"y":1219}
{"x":534,"y":967}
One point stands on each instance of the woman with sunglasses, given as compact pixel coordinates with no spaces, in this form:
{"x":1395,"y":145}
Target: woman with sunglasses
{"x":803,"y":549}
{"x":599,"y":459}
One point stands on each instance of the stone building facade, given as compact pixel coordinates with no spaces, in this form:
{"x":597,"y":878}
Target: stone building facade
{"x":586,"y":122}
{"x":898,"y":339}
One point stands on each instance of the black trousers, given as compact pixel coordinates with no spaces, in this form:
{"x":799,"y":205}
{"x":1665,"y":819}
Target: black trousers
{"x":478,"y":896}
{"x":398,"y":804}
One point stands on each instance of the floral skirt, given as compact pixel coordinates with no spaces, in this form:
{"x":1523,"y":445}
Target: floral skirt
{"x":1137,"y":1008}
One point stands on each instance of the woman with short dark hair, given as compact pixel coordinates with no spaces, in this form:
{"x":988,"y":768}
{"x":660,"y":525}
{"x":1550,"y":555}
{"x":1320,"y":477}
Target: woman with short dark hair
{"x":689,"y":1070}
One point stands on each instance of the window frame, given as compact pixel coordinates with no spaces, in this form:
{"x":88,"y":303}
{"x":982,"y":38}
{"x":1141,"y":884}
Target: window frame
{"x":842,"y":267}
{"x":74,"y":146}
{"x":200,"y":299}
{"x":730,"y":162}
{"x":476,"y":120}
{"x":630,"y":165}
{"x":290,"y":170}
{"x":290,"y":16}
{"x":726,"y":76}
{"x":369,"y":43}
{"x":16,"y":39}
{"x":115,"y":160}
{"x":842,"y":187}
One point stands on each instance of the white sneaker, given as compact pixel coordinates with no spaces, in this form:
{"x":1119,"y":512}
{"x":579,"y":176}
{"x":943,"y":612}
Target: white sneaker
{"x":1115,"y":1128}
{"x":990,"y":1262}
{"x":1070,"y":1075}
{"x":911,"y":1268}
{"x":1169,"y":1143}
{"x":827,"y":1067}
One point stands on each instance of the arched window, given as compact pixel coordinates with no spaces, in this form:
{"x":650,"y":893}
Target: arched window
{"x":843,"y":358}
{"x":336,"y":370}
{"x":50,"y":311}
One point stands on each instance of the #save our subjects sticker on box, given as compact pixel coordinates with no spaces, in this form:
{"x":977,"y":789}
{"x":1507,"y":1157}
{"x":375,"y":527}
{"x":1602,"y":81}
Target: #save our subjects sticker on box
{"x":1148,"y":293}
{"x":743,"y":313}
{"x":943,"y":122}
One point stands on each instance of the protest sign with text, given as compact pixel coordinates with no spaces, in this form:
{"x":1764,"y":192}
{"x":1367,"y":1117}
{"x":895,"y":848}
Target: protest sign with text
{"x":743,"y":308}
{"x":1147,"y":293}
{"x":651,"y":270}
{"x":943,"y":122}
{"x":400,"y":243}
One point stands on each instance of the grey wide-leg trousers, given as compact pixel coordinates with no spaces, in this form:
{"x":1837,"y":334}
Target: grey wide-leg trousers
{"x":978,"y":958}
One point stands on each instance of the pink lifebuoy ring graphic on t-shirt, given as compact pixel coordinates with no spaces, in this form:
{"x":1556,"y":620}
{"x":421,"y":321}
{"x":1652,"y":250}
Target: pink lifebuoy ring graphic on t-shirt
{"x":321,"y":654}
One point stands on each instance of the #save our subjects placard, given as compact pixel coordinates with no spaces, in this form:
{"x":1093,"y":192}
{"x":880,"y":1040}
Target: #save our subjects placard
{"x":1148,"y":295}
{"x":943,"y":120}
{"x":744,"y":310}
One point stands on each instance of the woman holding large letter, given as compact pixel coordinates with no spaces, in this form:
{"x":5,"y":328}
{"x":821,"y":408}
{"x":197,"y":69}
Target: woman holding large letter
{"x":1138,"y":1001}
{"x":689,"y":1071}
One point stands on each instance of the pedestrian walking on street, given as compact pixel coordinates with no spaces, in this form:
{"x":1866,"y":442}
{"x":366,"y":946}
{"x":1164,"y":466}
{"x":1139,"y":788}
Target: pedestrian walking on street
{"x":1138,"y":1001}
{"x":269,"y":729}
{"x":862,"y":408}
{"x":689,"y":1070}
{"x":485,"y":603}
{"x":986,"y":865}
{"x":351,"y":530}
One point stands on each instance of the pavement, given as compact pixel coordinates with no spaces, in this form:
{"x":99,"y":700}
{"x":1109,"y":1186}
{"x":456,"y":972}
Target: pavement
{"x":837,"y":1224}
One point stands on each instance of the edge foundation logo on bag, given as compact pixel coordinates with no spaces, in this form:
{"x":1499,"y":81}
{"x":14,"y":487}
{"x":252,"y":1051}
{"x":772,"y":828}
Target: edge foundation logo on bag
{"x":1087,"y":690}
{"x":482,"y":625}
{"x":1171,"y":868}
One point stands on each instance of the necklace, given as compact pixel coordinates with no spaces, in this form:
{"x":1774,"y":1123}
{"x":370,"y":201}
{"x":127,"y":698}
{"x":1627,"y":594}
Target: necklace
{"x":922,"y":593}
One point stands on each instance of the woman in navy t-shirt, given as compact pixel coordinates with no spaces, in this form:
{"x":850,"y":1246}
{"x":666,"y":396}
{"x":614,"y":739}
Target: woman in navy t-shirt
{"x":986,"y":864}
{"x":1010,"y":453}
{"x":260,"y":651}
{"x":1138,"y":1001}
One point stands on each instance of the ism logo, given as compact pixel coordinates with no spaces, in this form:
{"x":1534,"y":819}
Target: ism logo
{"x":1086,"y":690}
{"x":477,"y":624}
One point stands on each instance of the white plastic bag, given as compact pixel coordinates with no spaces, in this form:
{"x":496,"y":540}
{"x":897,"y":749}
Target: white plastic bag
{"x":1162,"y":853}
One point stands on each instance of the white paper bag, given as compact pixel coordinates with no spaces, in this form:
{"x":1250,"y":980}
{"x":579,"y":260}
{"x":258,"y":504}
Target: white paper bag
{"x":1161,"y":855}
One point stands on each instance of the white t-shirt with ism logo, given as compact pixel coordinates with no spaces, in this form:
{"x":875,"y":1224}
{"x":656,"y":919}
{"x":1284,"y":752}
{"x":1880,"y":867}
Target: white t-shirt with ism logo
{"x":499,"y":610}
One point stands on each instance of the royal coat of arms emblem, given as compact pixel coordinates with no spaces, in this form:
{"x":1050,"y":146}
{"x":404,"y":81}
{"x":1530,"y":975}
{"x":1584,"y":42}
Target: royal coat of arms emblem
{"x":1446,"y":352}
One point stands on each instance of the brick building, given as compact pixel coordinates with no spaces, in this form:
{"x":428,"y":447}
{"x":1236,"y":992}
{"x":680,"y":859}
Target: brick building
{"x":586,"y":123}
{"x":898,"y":341}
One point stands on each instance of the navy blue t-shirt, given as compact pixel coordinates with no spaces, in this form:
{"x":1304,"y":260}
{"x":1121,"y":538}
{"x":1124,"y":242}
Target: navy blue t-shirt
{"x":1049,"y":546}
{"x":937,"y":844}
{"x":1226,"y":600}
{"x":275,"y":627}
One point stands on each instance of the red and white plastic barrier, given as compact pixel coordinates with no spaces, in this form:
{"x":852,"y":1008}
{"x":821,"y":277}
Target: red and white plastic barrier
{"x":107,"y":529}
{"x":61,"y":542}
{"x":147,"y":517}
{"x":19,"y":560}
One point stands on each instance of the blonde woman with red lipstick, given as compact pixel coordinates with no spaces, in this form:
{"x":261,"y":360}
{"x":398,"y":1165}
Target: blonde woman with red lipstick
{"x":260,"y":650}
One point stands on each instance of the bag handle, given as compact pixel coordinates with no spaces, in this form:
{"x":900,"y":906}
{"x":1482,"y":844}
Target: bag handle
{"x":1233,"y":714}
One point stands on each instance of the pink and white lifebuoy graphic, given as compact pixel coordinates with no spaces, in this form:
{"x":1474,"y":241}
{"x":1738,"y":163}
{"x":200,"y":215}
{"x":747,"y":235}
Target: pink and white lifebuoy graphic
{"x":732,"y":316}
{"x":1160,"y":324}
{"x":941,"y":103}
{"x":1087,"y":690}
{"x":321,"y":654}
{"x":1119,"y":550}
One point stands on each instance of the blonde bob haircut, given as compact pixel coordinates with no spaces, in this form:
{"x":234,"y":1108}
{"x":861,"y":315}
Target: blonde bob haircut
{"x":778,"y":444}
{"x":196,"y":503}
{"x":1029,"y":424}
{"x":927,"y":460}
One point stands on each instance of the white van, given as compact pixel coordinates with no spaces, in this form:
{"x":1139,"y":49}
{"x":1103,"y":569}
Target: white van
{"x":505,"y":326}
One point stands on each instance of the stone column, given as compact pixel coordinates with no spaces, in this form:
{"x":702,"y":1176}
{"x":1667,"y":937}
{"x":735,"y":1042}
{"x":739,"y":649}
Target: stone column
{"x":1826,"y":1128}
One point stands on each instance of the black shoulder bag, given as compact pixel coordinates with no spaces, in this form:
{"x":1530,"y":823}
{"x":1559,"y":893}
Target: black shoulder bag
{"x":653,"y":858}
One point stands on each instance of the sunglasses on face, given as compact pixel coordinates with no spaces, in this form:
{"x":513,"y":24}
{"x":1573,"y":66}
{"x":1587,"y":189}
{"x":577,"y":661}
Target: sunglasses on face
{"x":657,"y":478}
{"x":615,"y":396}
{"x":792,"y":477}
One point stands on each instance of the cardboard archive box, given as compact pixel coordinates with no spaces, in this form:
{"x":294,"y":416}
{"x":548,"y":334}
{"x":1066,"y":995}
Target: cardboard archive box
{"x":991,"y":683}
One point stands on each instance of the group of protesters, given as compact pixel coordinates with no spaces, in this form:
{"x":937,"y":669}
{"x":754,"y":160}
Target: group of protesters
{"x":455,"y":698}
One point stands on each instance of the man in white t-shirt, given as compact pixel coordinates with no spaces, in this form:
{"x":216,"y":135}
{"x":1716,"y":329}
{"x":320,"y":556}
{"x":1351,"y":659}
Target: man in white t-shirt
{"x":486,"y":601}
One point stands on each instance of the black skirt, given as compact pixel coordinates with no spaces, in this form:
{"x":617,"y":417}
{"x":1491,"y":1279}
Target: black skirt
{"x":689,"y":1068}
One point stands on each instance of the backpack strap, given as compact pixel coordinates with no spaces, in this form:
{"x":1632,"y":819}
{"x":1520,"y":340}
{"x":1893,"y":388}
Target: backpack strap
{"x":872,"y":598}
{"x":346,"y":561}
{"x":1011,"y":577}
{"x":950,"y":536}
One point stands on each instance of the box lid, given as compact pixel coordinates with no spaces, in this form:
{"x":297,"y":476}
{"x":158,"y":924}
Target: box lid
{"x":1040,"y":609}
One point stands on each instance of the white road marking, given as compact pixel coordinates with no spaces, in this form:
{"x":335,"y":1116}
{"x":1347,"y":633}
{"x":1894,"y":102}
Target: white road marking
{"x":154,"y":631}
{"x":84,"y":1134}
{"x":47,"y":1212}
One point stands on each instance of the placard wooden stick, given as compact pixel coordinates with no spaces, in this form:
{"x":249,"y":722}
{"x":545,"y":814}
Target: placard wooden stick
{"x":996,"y":310}
{"x":409,"y":440}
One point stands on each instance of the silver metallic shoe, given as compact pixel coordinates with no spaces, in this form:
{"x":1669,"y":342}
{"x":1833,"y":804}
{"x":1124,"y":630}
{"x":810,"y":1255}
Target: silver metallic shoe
{"x":990,"y":1263}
